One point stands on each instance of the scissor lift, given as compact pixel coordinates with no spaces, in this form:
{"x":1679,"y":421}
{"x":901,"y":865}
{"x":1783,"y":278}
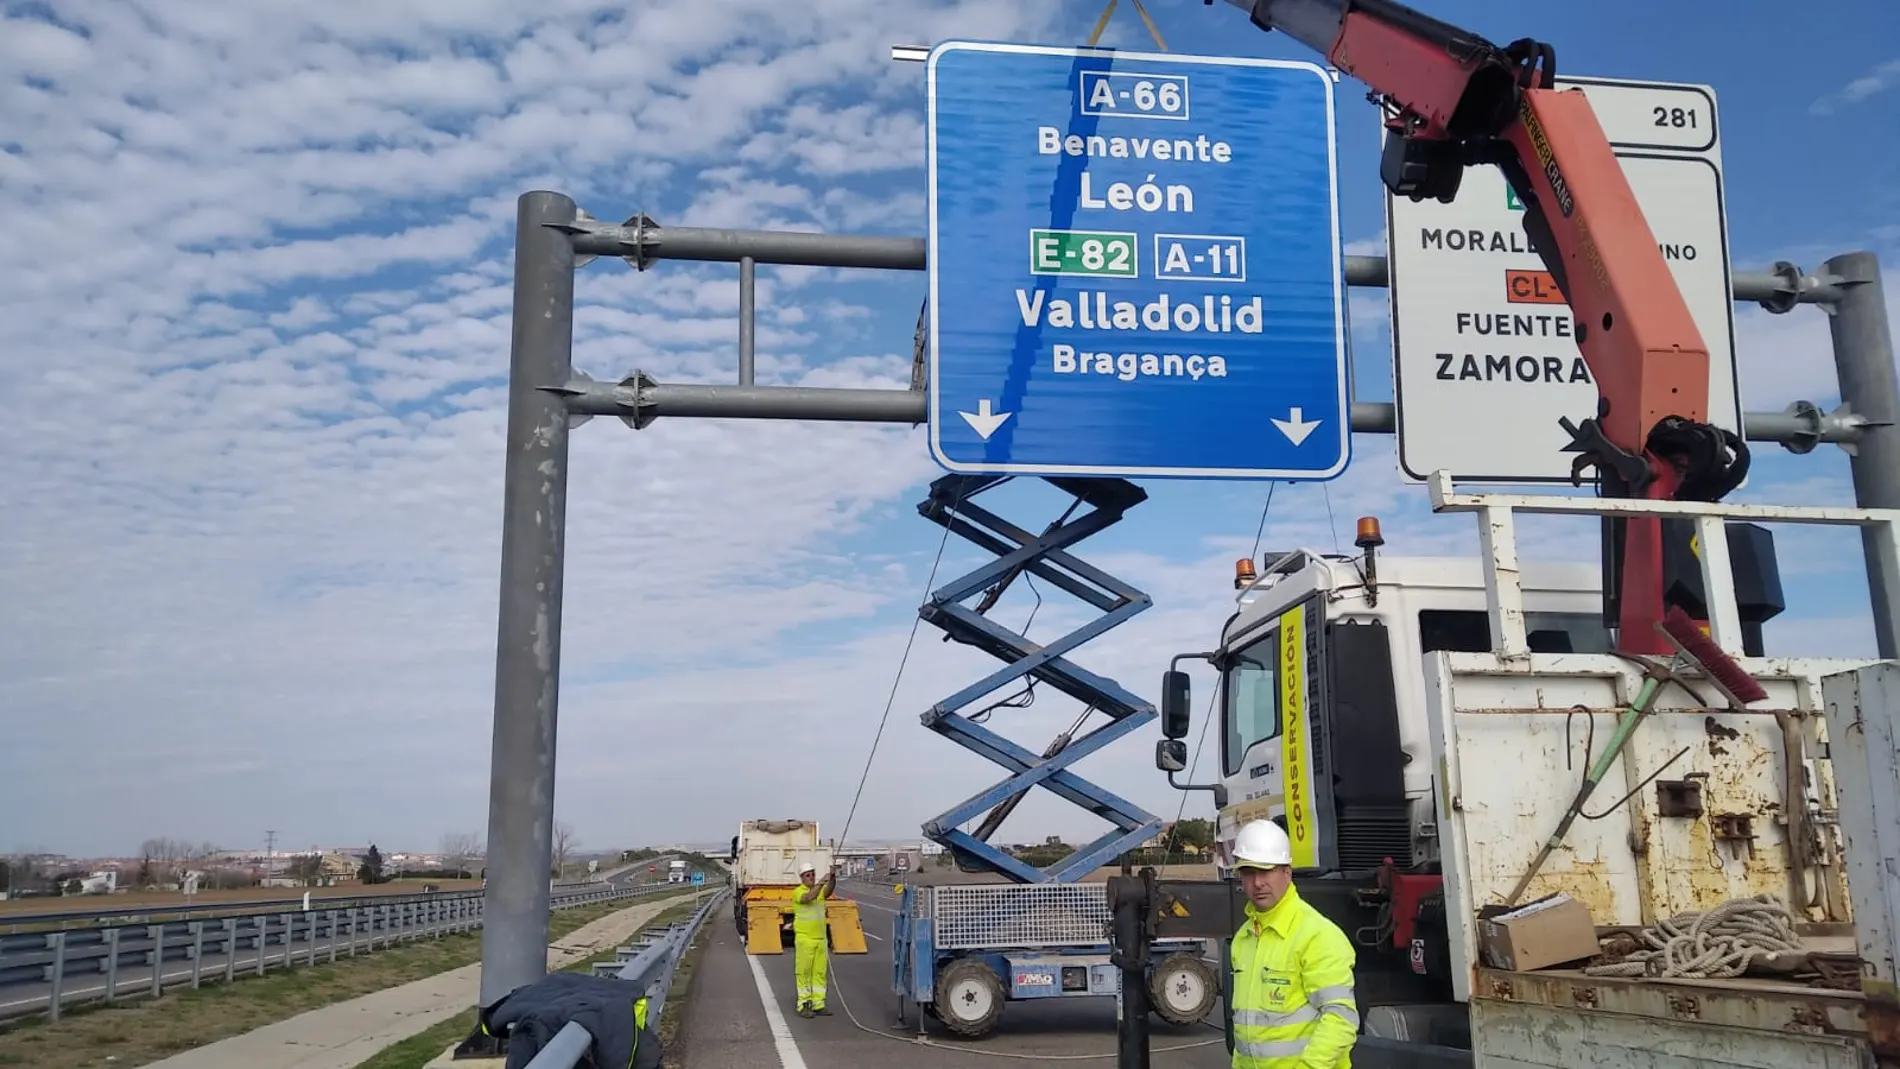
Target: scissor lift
{"x":1047,"y":557}
{"x":961,"y":952}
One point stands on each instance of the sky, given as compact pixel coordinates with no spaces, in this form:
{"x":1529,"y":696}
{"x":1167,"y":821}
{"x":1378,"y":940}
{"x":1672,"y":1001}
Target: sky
{"x":254,"y":307}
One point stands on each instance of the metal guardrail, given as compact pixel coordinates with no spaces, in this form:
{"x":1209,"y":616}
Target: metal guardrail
{"x":248,"y":907}
{"x":649,"y":963}
{"x":262,"y":939}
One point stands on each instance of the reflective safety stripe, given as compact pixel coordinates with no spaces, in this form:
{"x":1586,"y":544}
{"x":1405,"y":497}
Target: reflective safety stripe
{"x":1338,"y":1000}
{"x":1336,"y":993}
{"x":1269,"y":1019}
{"x":1284,"y":1048}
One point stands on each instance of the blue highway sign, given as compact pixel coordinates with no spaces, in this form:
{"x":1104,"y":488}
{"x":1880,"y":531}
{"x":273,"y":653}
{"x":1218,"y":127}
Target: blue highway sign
{"x":699,"y":878}
{"x":1134,"y":265}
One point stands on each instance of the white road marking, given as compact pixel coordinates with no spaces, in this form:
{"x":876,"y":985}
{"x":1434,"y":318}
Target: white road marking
{"x":788,"y":1055}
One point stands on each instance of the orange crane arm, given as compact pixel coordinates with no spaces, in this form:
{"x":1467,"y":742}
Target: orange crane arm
{"x":1453,"y":99}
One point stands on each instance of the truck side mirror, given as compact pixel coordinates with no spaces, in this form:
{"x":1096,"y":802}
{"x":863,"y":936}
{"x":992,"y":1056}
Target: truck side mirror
{"x":1174,"y":704}
{"x":735,"y":849}
{"x":1170,"y":755}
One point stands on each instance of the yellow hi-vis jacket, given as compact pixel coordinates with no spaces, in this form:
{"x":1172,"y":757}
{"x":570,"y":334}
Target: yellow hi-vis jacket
{"x":1293,"y":989}
{"x":808,"y":911}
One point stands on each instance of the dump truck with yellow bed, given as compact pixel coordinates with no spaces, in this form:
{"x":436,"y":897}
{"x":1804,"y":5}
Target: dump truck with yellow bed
{"x":766,"y":857}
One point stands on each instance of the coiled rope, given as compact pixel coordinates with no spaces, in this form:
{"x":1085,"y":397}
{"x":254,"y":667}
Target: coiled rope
{"x":1711,"y":944}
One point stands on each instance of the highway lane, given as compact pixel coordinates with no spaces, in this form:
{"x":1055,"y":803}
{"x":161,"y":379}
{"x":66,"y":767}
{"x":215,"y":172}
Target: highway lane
{"x":741,"y":1015}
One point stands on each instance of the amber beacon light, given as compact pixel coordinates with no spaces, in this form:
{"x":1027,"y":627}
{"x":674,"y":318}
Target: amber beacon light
{"x":1243,"y":573}
{"x":1369,"y":535}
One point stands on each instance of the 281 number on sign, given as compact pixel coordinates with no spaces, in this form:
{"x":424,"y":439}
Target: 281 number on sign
{"x":1674,"y":117}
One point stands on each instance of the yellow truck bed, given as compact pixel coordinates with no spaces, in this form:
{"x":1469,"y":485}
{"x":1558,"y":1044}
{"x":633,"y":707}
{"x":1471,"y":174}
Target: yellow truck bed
{"x":768,"y":922}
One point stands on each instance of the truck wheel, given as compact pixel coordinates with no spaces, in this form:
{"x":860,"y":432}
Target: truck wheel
{"x":969,"y":998}
{"x":1182,"y":989}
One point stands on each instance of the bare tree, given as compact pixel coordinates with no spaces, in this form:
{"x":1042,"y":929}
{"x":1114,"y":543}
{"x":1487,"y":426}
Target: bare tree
{"x":161,"y":860}
{"x":306,"y":867}
{"x":564,"y":843}
{"x":460,"y":850}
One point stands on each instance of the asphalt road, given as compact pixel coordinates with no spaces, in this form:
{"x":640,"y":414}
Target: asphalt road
{"x":741,"y":1015}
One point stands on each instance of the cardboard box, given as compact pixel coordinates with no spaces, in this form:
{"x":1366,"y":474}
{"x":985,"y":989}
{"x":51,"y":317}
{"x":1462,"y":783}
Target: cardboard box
{"x":1550,"y":931}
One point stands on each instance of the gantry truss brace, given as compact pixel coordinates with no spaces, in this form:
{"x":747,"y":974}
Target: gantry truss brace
{"x":1045,"y":557}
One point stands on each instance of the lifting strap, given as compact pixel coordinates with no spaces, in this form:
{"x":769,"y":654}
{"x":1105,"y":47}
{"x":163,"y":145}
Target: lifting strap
{"x":1101,"y":24}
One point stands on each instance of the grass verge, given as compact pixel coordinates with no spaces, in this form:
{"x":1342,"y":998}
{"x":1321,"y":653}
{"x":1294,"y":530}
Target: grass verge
{"x":674,"y":1016}
{"x":418,"y":1050}
{"x":135,"y":1033}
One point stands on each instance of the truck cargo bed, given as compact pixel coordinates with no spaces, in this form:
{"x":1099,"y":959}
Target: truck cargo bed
{"x":1557,"y":1018}
{"x":1703,"y":806}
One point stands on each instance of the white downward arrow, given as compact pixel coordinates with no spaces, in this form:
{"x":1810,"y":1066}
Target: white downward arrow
{"x":984,"y":422}
{"x":1297,"y":427}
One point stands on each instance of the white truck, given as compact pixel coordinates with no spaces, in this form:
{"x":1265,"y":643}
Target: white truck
{"x":766,"y":857}
{"x":1421,"y":726}
{"x":676,"y":871}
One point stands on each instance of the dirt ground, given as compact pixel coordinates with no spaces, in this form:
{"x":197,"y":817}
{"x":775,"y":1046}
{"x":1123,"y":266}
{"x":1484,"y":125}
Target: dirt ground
{"x":172,"y":899}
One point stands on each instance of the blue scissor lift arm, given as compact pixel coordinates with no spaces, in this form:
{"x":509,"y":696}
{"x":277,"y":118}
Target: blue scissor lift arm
{"x":1045,"y":556}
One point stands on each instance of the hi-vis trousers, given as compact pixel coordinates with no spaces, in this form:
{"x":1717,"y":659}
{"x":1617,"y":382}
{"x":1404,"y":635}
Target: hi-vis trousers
{"x":810,"y":957}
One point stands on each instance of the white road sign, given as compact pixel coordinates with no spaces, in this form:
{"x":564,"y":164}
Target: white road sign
{"x":1485,"y":358}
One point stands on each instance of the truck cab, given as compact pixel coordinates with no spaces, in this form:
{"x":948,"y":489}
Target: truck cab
{"x":1342,"y":647}
{"x":1323,"y":729}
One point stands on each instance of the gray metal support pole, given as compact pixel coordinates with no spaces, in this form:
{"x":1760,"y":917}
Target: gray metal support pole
{"x":639,"y":397}
{"x":641,"y":242}
{"x":528,"y":641}
{"x":56,"y":979}
{"x":1863,"y":362}
{"x":747,"y":268}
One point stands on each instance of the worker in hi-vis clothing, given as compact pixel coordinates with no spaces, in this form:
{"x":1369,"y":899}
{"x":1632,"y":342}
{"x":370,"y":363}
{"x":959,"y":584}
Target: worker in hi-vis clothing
{"x":1293,"y":999}
{"x":809,"y":949}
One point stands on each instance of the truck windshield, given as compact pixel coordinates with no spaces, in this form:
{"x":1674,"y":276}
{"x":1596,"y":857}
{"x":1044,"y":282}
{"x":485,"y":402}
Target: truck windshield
{"x":1251,"y":686}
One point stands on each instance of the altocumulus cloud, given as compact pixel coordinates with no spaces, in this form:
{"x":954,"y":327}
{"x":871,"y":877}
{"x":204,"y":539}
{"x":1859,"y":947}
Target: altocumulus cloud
{"x":256,"y":325}
{"x":255,"y":322}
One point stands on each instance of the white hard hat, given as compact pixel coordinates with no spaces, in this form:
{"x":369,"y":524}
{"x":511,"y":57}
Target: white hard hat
{"x":1262,"y":844}
{"x":803,"y":869}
